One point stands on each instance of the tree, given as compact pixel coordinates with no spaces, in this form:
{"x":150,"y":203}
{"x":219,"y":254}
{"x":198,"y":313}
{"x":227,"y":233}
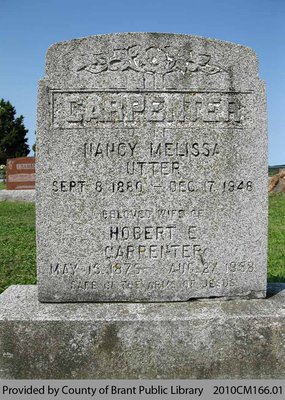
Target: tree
{"x":13,"y":141}
{"x":34,"y":146}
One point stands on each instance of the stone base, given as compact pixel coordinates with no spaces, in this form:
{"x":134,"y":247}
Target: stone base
{"x":17,"y":195}
{"x":209,"y":339}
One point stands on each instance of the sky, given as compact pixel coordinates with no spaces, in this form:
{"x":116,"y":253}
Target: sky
{"x":29,"y":27}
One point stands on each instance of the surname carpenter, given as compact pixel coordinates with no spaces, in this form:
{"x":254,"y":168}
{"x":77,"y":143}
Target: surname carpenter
{"x":82,"y":109}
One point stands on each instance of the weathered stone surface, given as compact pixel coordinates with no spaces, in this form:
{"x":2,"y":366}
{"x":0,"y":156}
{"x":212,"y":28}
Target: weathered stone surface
{"x":152,"y":170}
{"x":17,"y":195}
{"x":197,"y":339}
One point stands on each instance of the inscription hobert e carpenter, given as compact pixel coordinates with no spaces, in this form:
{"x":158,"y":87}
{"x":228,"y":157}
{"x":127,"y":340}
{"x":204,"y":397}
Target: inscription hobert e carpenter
{"x":151,"y":178}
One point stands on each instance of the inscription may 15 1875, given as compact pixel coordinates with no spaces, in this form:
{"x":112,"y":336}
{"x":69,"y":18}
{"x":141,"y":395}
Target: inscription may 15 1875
{"x":151,"y":170}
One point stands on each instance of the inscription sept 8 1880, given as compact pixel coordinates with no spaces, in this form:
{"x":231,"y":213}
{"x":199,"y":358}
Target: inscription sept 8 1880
{"x":151,"y":170}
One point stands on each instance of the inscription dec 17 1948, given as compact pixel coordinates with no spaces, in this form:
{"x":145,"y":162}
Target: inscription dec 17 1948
{"x":152,"y":170}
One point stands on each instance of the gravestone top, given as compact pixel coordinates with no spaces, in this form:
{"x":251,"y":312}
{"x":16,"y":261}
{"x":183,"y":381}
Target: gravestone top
{"x":20,"y":173}
{"x":151,"y":170}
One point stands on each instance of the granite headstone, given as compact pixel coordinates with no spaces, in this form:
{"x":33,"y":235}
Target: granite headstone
{"x":20,"y":173}
{"x":151,"y":170}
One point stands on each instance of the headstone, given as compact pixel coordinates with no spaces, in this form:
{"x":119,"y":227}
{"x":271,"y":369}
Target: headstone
{"x":20,"y":173}
{"x":276,"y":183}
{"x":151,"y":186}
{"x":152,"y":170}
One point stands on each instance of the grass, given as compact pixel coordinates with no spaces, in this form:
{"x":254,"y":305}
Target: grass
{"x":273,"y":170}
{"x":18,"y":247}
{"x":2,"y":185}
{"x":276,"y":238}
{"x":17,"y":244}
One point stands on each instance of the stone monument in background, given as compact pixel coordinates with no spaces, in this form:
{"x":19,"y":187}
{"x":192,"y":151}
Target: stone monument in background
{"x":151,"y":187}
{"x":152,"y":170}
{"x":20,"y":173}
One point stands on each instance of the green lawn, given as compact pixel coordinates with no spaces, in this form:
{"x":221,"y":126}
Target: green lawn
{"x":2,"y":185}
{"x":276,"y":238}
{"x":275,"y":169}
{"x":18,"y":248}
{"x":17,"y":244}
